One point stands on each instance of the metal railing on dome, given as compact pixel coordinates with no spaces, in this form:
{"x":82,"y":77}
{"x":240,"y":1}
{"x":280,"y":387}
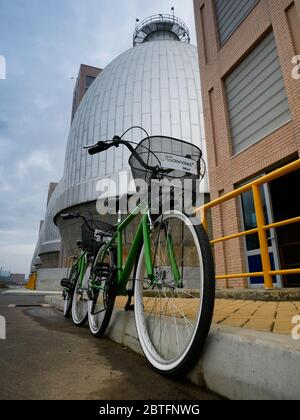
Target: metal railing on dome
{"x":261,"y":229}
{"x":183,"y":32}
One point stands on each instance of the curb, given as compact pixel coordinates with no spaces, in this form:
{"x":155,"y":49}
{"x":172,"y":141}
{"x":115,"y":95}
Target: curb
{"x":238,"y":364}
{"x":262,"y":295}
{"x":23,"y":292}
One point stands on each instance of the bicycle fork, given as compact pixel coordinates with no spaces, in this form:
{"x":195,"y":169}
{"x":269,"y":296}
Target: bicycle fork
{"x":147,"y":229}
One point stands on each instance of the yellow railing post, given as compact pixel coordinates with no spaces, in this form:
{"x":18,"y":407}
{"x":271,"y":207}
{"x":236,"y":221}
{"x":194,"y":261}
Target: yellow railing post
{"x":263,"y":239}
{"x":203,"y":218}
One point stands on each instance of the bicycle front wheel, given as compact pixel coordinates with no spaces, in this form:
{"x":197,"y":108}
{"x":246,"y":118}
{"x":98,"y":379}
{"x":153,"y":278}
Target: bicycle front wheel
{"x":174,"y":310}
{"x":80,"y":299}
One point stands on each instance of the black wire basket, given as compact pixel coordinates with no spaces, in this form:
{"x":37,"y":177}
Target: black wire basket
{"x":160,"y":157}
{"x":89,"y":240}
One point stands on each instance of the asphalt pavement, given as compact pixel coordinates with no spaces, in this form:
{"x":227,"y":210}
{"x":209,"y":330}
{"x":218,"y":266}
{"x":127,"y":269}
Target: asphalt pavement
{"x":45,"y":357}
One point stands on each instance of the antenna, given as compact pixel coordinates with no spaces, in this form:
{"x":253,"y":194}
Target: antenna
{"x":173,"y":11}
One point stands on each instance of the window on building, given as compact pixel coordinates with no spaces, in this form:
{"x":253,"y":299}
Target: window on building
{"x":88,"y":81}
{"x":257,"y":100}
{"x":230,"y":14}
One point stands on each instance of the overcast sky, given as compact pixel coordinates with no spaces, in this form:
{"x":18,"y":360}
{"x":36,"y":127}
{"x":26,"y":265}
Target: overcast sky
{"x":44,"y":43}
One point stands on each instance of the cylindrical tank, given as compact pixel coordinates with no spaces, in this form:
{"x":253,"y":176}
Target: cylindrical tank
{"x":47,"y":252}
{"x":156,"y":85}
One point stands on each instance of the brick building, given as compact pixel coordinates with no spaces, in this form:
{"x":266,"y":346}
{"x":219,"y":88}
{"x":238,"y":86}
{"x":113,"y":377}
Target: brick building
{"x":86,"y":76}
{"x":251,"y":94}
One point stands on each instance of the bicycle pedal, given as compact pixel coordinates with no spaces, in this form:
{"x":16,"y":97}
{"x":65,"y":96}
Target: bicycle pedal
{"x":103,"y":270}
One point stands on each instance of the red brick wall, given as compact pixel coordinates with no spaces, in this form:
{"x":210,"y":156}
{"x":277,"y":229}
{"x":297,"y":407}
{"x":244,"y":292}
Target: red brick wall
{"x":80,"y":86}
{"x":226,"y":170}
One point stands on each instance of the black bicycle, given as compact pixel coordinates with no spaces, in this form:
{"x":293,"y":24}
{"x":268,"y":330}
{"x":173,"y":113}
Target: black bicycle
{"x":75,"y":285}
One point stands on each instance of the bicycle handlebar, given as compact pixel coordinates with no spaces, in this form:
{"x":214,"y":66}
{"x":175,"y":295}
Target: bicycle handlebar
{"x":69,"y":216}
{"x":100,"y":147}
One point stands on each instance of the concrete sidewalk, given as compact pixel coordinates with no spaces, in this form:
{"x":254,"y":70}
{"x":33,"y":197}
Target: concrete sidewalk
{"x":237,"y":363}
{"x":275,"y":317}
{"x":26,"y":292}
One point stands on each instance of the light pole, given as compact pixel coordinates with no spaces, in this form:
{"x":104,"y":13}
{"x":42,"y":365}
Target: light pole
{"x":1,"y":267}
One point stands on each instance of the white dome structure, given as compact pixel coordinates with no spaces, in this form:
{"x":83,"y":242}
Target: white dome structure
{"x":48,"y":248}
{"x":156,"y":85}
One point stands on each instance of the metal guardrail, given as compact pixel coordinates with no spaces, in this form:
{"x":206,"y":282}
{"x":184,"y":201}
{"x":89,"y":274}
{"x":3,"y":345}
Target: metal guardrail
{"x":162,"y":18}
{"x":261,"y":229}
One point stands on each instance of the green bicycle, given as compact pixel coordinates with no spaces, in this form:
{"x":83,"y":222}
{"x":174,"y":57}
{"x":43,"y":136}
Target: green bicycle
{"x":170,"y":258}
{"x":75,"y":286}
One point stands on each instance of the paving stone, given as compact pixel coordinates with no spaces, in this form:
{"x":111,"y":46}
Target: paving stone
{"x":260,"y":325}
{"x":235,"y":322}
{"x":297,"y":305}
{"x":283,"y":327}
{"x":256,"y":315}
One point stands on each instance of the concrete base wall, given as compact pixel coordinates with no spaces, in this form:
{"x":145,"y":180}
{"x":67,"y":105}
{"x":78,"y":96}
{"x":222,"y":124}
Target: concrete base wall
{"x":236,"y":363}
{"x":50,"y":259}
{"x":49,"y":279}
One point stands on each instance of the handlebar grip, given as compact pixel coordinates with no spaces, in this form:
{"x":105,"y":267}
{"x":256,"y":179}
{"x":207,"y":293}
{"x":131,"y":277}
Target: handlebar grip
{"x":101,"y":147}
{"x":69,"y":216}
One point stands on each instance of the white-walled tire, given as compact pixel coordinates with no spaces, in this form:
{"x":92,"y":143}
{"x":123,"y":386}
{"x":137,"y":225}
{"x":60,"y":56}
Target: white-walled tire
{"x":173,"y":319}
{"x":80,"y":300}
{"x":100,"y":308}
{"x":67,"y":304}
{"x":68,"y":294}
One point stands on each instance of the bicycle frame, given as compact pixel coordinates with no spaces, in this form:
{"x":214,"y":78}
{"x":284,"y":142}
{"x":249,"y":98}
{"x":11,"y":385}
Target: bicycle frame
{"x":143,"y":235}
{"x":81,"y":265}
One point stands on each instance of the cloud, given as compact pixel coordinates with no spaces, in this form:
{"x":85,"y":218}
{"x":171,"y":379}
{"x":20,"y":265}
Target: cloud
{"x":16,"y":248}
{"x":5,"y":186}
{"x":36,"y":160}
{"x":17,"y":257}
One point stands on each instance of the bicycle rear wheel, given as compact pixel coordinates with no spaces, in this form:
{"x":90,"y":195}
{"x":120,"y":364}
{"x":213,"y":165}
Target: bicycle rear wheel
{"x":174,"y":312}
{"x":103,"y":292}
{"x":68,"y":293}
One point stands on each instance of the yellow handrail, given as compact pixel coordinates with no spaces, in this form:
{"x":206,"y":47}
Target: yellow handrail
{"x":261,"y":229}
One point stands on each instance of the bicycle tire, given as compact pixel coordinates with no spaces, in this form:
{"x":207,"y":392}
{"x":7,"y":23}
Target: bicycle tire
{"x":68,"y":299}
{"x":99,"y":321}
{"x":81,"y":290}
{"x":150,"y":347}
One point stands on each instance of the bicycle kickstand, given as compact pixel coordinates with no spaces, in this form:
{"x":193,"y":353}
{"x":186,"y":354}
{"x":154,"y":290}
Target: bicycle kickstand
{"x":129,"y":307}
